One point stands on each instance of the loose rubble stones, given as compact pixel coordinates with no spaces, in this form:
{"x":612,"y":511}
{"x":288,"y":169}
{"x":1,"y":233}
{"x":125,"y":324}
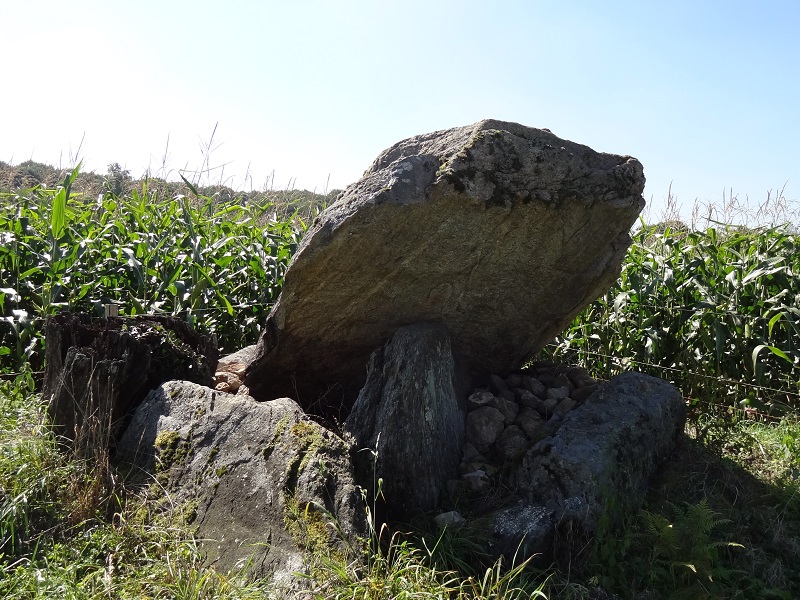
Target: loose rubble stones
{"x":230,"y":371}
{"x":502,"y":428}
{"x":484,"y":426}
{"x":564,"y":461}
{"x":500,"y":232}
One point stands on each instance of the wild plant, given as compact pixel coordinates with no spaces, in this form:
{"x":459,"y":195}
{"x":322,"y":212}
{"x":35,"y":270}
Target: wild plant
{"x":395,"y":563}
{"x":684,"y":554}
{"x":56,"y":541}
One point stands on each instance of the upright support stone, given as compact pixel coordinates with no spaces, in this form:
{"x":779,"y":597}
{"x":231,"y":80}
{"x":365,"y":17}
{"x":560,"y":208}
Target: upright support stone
{"x":408,"y":420}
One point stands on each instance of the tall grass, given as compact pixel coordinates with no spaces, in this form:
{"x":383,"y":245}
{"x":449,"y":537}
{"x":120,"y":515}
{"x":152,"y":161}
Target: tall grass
{"x":51,"y":546}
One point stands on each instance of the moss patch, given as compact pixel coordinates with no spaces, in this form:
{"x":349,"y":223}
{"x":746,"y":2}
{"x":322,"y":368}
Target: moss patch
{"x":308,"y":437}
{"x":171,"y":450}
{"x":306,"y":526}
{"x":188,"y":511}
{"x":276,"y":435}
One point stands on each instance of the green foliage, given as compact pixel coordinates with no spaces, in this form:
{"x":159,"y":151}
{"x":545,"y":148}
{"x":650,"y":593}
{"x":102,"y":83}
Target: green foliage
{"x":420,"y":564}
{"x":30,"y":173}
{"x":680,"y":555}
{"x":128,"y":559}
{"x":715,"y":312}
{"x":31,"y":472}
{"x":218,"y":266}
{"x":308,"y":526}
{"x":713,"y":527}
{"x":790,"y":442}
{"x":399,"y":565}
{"x":118,"y":180}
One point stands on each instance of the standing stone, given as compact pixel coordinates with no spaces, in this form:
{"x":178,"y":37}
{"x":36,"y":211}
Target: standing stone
{"x":99,"y":370}
{"x":501,"y":232}
{"x":408,"y":419}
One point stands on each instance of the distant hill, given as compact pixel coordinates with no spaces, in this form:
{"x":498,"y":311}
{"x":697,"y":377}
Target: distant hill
{"x":28,"y":174}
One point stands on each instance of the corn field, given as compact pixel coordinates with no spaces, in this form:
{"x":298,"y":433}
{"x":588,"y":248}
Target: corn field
{"x":217,"y":265}
{"x":715,"y":311}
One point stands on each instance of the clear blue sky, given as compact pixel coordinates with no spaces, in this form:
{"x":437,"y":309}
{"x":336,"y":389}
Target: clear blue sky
{"x":705,"y":94}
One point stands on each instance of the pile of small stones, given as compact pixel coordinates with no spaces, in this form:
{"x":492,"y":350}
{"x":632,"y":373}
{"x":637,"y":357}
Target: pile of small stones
{"x":230,"y":372}
{"x":507,"y":416}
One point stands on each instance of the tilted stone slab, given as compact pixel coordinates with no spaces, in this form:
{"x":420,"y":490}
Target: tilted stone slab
{"x":257,"y":481}
{"x":501,"y":232}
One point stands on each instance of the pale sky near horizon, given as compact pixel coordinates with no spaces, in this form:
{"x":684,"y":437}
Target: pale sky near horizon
{"x":306,"y":93}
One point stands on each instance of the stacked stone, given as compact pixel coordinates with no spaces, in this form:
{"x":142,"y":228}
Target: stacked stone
{"x":507,"y":416}
{"x":230,"y":371}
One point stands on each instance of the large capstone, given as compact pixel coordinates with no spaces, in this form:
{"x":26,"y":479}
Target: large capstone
{"x":501,"y":232}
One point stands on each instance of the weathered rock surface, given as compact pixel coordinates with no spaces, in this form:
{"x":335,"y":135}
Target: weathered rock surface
{"x":484,"y":426}
{"x":500,"y":232}
{"x":596,"y":460}
{"x":408,"y":420}
{"x":254,"y":479}
{"x":99,"y":370}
